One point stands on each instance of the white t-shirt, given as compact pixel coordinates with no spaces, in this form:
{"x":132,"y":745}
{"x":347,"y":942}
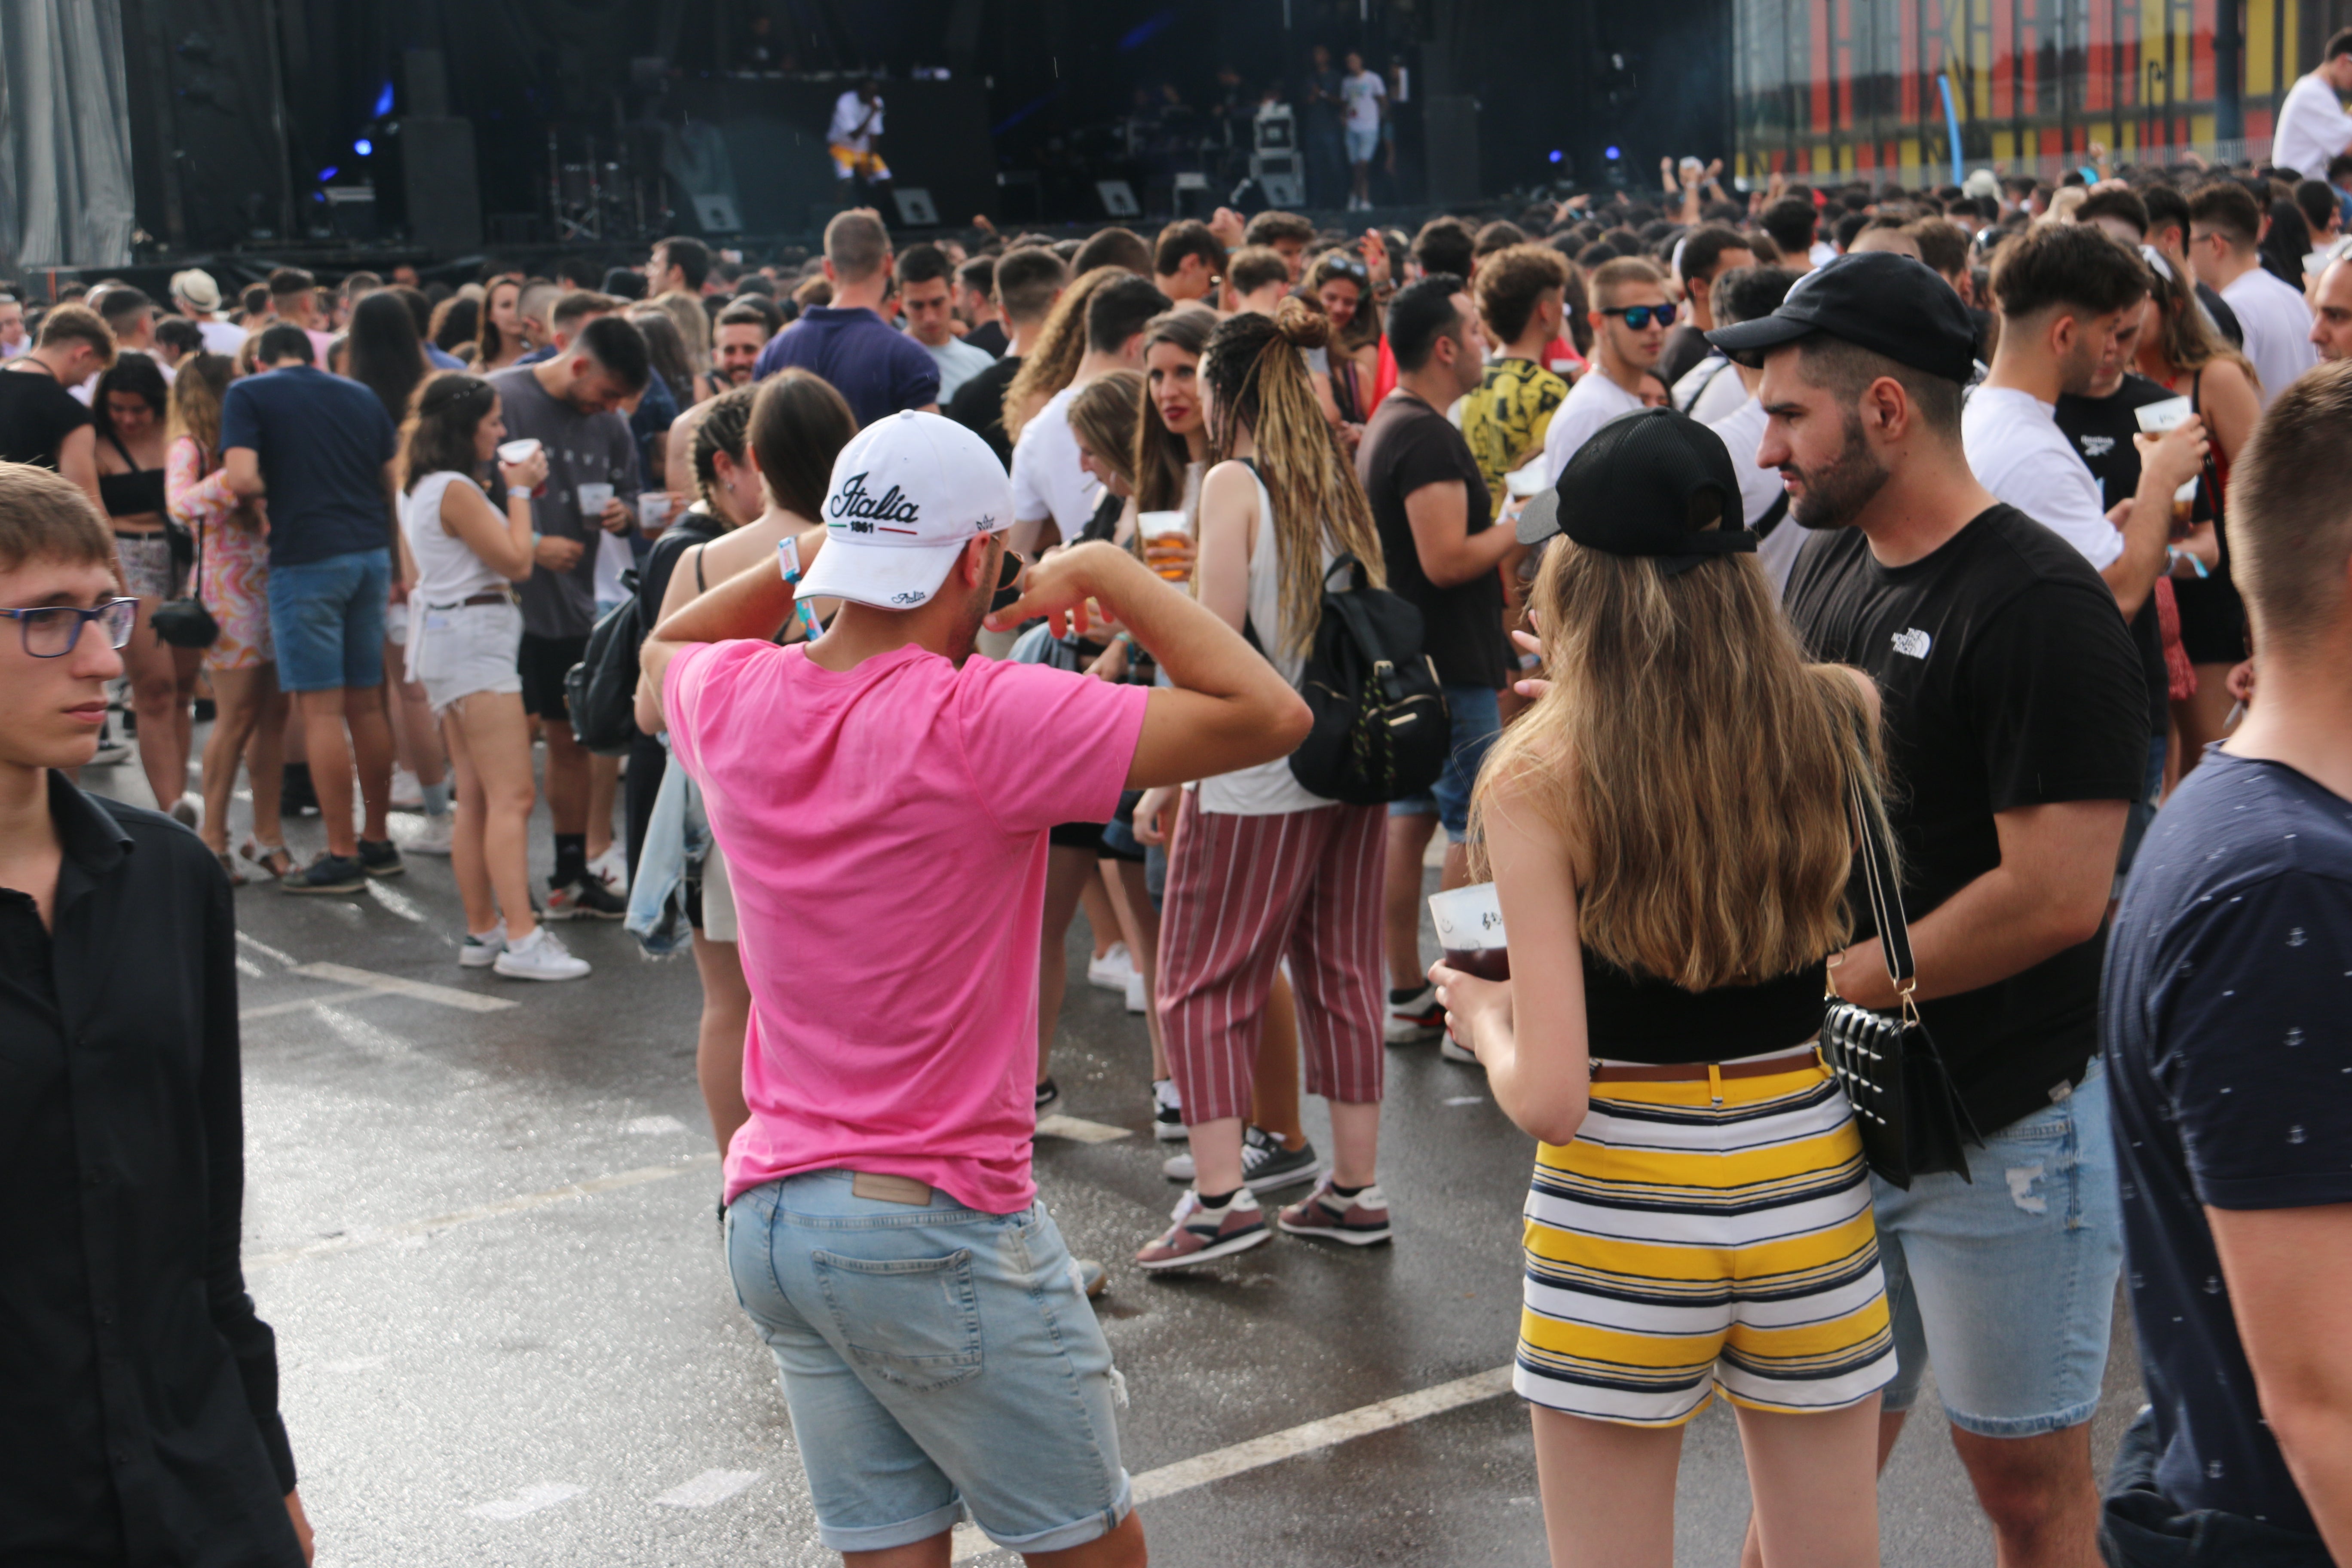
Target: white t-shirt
{"x":1047,"y":479}
{"x":2312,"y":129}
{"x":2277,"y":325}
{"x":848,"y":112}
{"x":1268,"y":789}
{"x":959,"y":361}
{"x":1591,"y":402}
{"x":1709,"y":391}
{"x":2017,"y":452}
{"x":1822,"y":253}
{"x":1759,"y":489}
{"x":1362,"y":93}
{"x":221,"y":337}
{"x":447,"y":569}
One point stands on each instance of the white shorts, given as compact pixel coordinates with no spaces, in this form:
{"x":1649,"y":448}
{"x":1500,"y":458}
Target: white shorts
{"x":718,"y":898}
{"x":467,"y":648}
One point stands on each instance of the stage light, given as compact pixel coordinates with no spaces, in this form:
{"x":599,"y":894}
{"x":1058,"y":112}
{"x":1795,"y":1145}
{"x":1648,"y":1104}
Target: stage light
{"x":383,"y":103}
{"x":363,"y":147}
{"x":327,"y":174}
{"x":1555,"y":155}
{"x":1610,"y":153}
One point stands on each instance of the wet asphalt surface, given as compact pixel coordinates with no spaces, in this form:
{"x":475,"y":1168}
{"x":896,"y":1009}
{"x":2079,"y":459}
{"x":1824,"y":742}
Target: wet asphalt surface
{"x":486,"y":1242}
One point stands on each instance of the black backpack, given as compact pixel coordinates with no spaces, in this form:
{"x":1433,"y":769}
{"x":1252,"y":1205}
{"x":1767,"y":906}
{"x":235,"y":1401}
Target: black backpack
{"x":1382,"y":732}
{"x":602,"y":689}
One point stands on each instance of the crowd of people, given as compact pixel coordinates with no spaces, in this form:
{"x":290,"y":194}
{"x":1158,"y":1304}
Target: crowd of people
{"x":1015,"y":569}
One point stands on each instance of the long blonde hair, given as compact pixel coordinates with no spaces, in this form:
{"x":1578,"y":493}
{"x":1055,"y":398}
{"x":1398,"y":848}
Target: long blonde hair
{"x":1255,"y":370}
{"x":196,"y":392}
{"x":1699,"y":761}
{"x":1053,"y":364}
{"x":2186,"y":342}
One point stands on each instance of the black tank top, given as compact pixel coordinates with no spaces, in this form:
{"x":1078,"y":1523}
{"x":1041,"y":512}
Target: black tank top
{"x":134,"y":494}
{"x":1641,"y":1018}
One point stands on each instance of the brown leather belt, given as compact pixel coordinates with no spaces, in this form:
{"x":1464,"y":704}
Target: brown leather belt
{"x":486,"y":596}
{"x":1705,"y":1072}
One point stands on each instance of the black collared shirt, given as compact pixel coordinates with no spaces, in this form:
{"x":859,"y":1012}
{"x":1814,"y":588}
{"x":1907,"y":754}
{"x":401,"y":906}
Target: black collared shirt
{"x":138,"y":1390}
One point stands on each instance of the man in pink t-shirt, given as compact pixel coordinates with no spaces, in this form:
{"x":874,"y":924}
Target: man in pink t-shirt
{"x":883,"y":800}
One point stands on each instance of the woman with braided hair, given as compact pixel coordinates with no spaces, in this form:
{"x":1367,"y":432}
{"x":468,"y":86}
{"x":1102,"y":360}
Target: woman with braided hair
{"x":1261,"y":869}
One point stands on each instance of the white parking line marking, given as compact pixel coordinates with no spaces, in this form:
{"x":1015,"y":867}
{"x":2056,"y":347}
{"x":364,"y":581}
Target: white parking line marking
{"x":653,"y":1126}
{"x":248,"y":968}
{"x":421,"y":1228}
{"x":272,"y":1009}
{"x":266,"y":951}
{"x":710,"y":1486}
{"x":1079,"y":1129}
{"x":531,"y":1499}
{"x":422,"y":990}
{"x":1365,"y":1419}
{"x":1467,"y":1100}
{"x":399,"y":904}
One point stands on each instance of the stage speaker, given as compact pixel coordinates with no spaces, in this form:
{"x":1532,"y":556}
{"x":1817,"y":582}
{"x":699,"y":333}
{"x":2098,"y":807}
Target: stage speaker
{"x":915,"y":208}
{"x":717,"y":214}
{"x":1117,"y":198}
{"x":1450,"y":131}
{"x":440,"y":196}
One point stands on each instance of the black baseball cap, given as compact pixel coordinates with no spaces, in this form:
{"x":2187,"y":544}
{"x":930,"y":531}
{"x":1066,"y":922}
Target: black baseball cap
{"x":1648,"y":484}
{"x":1877,"y":299}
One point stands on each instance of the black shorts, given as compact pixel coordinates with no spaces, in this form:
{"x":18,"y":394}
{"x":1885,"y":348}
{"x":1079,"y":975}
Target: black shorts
{"x":543,"y":662}
{"x":2212,"y":619}
{"x":1077,"y":836}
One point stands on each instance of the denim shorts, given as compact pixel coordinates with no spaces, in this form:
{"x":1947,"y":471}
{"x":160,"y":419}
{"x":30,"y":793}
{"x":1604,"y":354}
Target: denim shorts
{"x":1477,"y":721}
{"x":1363,"y":144}
{"x":2008,"y":1285}
{"x":326,"y":618}
{"x":935,"y":1360}
{"x":467,"y":649}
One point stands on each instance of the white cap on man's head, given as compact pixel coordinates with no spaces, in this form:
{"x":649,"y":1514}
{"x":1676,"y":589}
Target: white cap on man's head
{"x":909,"y":493}
{"x":197,"y":287}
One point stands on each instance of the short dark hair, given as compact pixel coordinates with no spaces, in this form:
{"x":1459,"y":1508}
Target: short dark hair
{"x":2317,"y":200}
{"x":2075,"y":264}
{"x":856,"y":243}
{"x":924,"y":264}
{"x":181,"y":333}
{"x":2167,"y":208}
{"x":2121,"y":205}
{"x":615,"y":342}
{"x":1445,"y":244}
{"x":2338,"y":166}
{"x":2291,"y":522}
{"x":1421,"y":314}
{"x":690,"y":256}
{"x":579,"y":272}
{"x":1500,"y":235}
{"x":1750,"y":293}
{"x":1849,"y":229}
{"x":1119,"y":310}
{"x":1790,"y":221}
{"x":254,"y":297}
{"x":1121,"y":248}
{"x":1511,"y":284}
{"x":120,"y":303}
{"x":1702,"y":248}
{"x":1269,"y":226}
{"x":1943,"y":245}
{"x":978,"y":275}
{"x":1187,"y":237}
{"x":282,"y":342}
{"x":744,"y":314}
{"x":355,"y":284}
{"x":1846,"y":369}
{"x":2226,"y":206}
{"x":44,"y":516}
{"x":624,"y":283}
{"x":1253,"y":267}
{"x":285,"y":280}
{"x":2339,"y":42}
{"x":575,"y":307}
{"x":1027,"y":280}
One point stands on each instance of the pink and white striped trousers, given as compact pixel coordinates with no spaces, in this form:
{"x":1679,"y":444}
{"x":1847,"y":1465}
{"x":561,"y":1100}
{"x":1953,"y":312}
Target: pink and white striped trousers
{"x":1244,"y":893}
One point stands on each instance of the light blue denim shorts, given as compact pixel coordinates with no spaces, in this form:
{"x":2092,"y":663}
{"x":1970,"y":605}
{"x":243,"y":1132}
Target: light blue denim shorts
{"x":2007,"y":1286}
{"x":1474,"y":715}
{"x":935,"y":1359}
{"x":326,"y":618}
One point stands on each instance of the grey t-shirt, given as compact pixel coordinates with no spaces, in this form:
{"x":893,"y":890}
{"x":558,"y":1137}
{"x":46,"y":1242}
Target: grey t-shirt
{"x":582,"y":449}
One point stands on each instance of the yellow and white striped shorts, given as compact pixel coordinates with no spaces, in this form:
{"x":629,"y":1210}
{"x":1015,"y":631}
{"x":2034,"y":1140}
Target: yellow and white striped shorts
{"x":1678,"y":1245}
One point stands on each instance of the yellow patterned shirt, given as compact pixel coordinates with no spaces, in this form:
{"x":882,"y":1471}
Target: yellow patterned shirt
{"x":1504,"y":419}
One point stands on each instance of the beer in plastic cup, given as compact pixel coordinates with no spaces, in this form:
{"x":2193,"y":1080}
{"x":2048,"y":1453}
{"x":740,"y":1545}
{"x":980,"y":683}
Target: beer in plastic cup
{"x":2184,"y":502}
{"x":2156,"y":418}
{"x":653,"y":510}
{"x":520,"y":451}
{"x":1153,"y":525}
{"x":592,"y":499}
{"x":1469,"y":923}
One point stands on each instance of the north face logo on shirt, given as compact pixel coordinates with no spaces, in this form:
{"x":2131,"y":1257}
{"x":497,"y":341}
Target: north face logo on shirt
{"x":1913,"y":642}
{"x":864,"y":513}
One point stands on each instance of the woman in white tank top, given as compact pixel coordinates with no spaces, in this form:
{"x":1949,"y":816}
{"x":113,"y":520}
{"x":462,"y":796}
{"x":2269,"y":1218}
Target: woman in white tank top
{"x":464,"y":631}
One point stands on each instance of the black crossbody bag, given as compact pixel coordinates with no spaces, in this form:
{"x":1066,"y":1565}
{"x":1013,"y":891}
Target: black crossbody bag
{"x":1911,"y":1119}
{"x":184,"y":622}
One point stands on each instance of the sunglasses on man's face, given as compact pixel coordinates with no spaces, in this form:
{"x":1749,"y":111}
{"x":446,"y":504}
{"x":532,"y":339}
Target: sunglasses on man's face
{"x":1008,"y":580}
{"x":1638,"y":316}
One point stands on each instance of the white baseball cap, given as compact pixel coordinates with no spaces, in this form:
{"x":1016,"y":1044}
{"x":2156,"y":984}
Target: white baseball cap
{"x":909,"y":493}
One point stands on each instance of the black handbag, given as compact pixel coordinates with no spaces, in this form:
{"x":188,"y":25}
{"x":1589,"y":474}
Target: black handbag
{"x":184,"y":622}
{"x":1911,"y":1119}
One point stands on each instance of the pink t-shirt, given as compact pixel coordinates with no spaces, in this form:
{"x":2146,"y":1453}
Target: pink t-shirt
{"x":884,"y":831}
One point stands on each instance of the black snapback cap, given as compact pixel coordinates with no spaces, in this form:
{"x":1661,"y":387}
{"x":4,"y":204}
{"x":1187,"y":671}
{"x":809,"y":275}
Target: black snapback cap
{"x":1654,"y":483}
{"x":1877,"y":299}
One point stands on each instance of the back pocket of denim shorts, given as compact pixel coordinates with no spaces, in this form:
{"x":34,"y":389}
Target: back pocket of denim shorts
{"x":912,"y":1320}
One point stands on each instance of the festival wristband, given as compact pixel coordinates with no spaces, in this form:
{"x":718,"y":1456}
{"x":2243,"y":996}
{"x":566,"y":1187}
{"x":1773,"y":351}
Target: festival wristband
{"x":518,"y":492}
{"x":788,"y":557}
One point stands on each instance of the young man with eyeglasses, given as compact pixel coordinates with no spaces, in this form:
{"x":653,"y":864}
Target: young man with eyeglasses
{"x":1630,"y":317}
{"x":138,"y":1389}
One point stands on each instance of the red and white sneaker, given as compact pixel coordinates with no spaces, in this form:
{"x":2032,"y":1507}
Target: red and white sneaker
{"x":1199,"y":1236}
{"x":1359,"y":1221}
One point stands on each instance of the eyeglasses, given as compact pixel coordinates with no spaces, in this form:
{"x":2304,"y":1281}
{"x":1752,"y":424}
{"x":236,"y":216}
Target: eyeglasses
{"x":1008,"y":580}
{"x":52,"y":631}
{"x":1638,"y":316}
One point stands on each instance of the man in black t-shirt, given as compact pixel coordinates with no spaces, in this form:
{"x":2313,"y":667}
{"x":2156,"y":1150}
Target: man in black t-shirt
{"x":2228,"y":1042}
{"x":1444,"y":557}
{"x":1028,"y":281}
{"x":2016,"y":724}
{"x":41,"y":422}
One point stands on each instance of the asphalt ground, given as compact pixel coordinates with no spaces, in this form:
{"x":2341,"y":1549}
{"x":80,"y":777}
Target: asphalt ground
{"x":480,"y":1214}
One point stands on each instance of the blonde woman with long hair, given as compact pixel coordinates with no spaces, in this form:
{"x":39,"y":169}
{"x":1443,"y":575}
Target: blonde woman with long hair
{"x":1261,"y":870}
{"x":1669,"y":834}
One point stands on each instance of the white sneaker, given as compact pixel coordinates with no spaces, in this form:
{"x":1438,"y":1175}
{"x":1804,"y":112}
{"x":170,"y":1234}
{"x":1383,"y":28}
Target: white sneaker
{"x":1168,"y":1113}
{"x":1415,"y":1020}
{"x":482,"y":952}
{"x":1178,"y":1167}
{"x":433,"y":838}
{"x":1455,"y":1053}
{"x":612,"y":868}
{"x":407,"y":794}
{"x":538,"y":956}
{"x":1137,"y":1002}
{"x":1112,"y":970}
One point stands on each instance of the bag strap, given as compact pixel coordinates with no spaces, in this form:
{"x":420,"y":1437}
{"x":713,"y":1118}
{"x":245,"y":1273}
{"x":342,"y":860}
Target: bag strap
{"x":1885,"y":895}
{"x":1773,"y":516}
